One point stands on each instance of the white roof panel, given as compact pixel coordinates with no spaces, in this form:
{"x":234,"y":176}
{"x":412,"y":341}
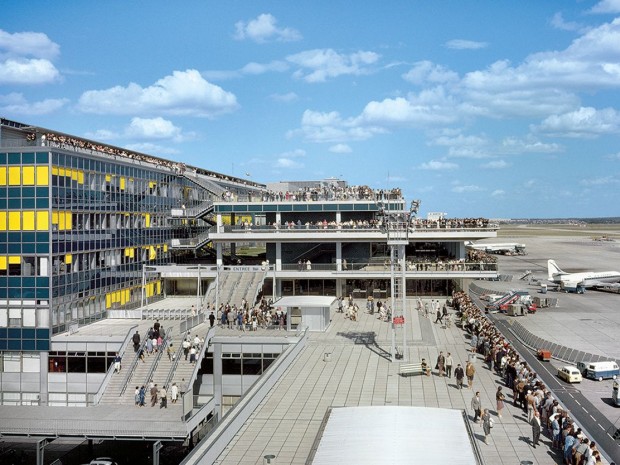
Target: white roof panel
{"x":394,"y":435}
{"x":304,"y":301}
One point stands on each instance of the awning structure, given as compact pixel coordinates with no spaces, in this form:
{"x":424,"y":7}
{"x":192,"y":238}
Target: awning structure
{"x":306,"y":301}
{"x":395,"y":436}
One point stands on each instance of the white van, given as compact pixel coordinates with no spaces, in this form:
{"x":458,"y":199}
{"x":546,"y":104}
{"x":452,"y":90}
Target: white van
{"x":570,"y":374}
{"x":602,"y":370}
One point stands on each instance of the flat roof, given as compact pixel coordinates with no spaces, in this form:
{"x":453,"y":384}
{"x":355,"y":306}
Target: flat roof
{"x":308,"y":301}
{"x":394,"y":435}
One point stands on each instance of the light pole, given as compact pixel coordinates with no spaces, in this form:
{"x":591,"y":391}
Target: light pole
{"x":396,"y":223}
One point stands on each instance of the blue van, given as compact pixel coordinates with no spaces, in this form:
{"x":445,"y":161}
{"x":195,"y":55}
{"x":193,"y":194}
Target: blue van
{"x":602,"y":370}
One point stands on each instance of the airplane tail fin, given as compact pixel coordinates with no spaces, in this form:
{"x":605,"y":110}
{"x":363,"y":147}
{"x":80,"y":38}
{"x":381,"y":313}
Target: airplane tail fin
{"x":553,"y":269}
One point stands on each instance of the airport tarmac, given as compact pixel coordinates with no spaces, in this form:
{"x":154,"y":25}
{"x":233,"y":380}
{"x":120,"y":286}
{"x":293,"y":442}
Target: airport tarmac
{"x":588,"y":322}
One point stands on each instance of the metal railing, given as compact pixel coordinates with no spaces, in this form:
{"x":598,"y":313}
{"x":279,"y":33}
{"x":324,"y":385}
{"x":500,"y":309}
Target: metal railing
{"x":106,"y":381}
{"x":418,"y":267}
{"x":160,"y":354}
{"x":133,"y":366}
{"x":214,"y":443}
{"x":338,"y":228}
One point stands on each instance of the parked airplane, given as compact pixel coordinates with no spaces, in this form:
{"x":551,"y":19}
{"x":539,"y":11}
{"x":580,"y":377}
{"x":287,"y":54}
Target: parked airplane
{"x":505,"y":248}
{"x":580,"y":281}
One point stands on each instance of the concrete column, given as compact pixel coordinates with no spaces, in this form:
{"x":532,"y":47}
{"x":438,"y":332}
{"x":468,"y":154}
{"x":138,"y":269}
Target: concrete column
{"x":43,"y":370}
{"x":339,"y":256}
{"x":219,"y":222}
{"x":218,"y":251}
{"x":338,"y":217}
{"x":278,"y":256}
{"x":217,"y":378}
{"x":278,"y":218}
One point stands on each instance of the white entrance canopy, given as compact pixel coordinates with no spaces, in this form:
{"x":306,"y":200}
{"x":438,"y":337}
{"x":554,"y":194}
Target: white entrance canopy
{"x":306,"y":310}
{"x":394,"y":435}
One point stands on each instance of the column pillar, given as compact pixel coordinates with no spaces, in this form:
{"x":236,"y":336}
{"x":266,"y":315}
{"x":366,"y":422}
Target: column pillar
{"x":219,"y":261}
{"x":278,"y":263}
{"x":338,"y":256}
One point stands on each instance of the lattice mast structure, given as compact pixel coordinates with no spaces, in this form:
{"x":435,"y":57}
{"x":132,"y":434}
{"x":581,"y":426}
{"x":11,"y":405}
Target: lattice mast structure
{"x":398,"y":224}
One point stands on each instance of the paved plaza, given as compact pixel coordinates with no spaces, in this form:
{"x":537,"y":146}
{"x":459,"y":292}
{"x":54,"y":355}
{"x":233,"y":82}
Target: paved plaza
{"x":360,"y":374}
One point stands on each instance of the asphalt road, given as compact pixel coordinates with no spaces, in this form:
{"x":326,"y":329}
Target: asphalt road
{"x":596,"y":425}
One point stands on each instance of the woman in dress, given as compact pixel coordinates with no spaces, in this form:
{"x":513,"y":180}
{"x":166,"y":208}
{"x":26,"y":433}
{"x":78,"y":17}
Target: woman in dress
{"x":499,"y":397}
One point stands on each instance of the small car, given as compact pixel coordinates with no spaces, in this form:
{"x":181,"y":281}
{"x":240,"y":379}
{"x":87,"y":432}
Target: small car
{"x":570,"y":374}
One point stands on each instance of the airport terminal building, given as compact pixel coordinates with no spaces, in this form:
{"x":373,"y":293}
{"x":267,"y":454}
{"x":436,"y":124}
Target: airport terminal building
{"x":92,"y":232}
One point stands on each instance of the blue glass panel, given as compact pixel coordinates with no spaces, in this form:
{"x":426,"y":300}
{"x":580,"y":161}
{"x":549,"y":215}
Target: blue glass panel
{"x":28,"y":344}
{"x":42,"y":157}
{"x":43,"y":344}
{"x":3,"y":333}
{"x":3,"y":293}
{"x":3,"y":344}
{"x":2,"y":158}
{"x":14,"y":203}
{"x":27,"y":158}
{"x":14,"y":344}
{"x":42,"y":281}
{"x":41,"y":191}
{"x":28,"y":281}
{"x":42,"y":202}
{"x":43,"y":247}
{"x":270,"y":208}
{"x":15,"y":158}
{"x":43,"y":333}
{"x":300,"y":208}
{"x":28,"y":191}
{"x":28,"y":333}
{"x":14,"y":333}
{"x":286,"y":208}
{"x":42,"y":293}
{"x":14,"y":293}
{"x":313,"y":207}
{"x":28,"y":247}
{"x":14,"y":281}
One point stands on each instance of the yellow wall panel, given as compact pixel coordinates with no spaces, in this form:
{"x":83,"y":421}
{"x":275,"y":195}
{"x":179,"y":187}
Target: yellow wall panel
{"x":15,"y":221}
{"x":54,"y":171}
{"x":61,"y":221}
{"x":43,"y":175}
{"x":165,"y":248}
{"x":28,"y":176}
{"x":68,"y":220}
{"x":28,"y":220}
{"x":15,"y":260}
{"x":3,"y":175}
{"x":108,"y":177}
{"x":62,"y":172}
{"x":43,"y":221}
{"x":3,"y":217}
{"x":108,"y":301}
{"x":147,"y":220}
{"x":3,"y":264}
{"x":80,"y":178}
{"x":122,"y":183}
{"x":54,"y":217}
{"x":74,"y":175}
{"x":15,"y":176}
{"x":68,"y":258}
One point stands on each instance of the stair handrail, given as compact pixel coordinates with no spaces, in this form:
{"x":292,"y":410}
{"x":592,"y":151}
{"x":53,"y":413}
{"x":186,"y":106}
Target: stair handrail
{"x":175,"y":363}
{"x":132,"y":368}
{"x":200,"y":355}
{"x":104,"y":384}
{"x":149,"y":375}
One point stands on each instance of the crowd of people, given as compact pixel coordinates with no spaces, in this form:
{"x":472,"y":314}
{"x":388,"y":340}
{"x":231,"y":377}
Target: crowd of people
{"x":335,"y":191}
{"x":75,"y":143}
{"x":246,"y":317}
{"x":529,"y":393}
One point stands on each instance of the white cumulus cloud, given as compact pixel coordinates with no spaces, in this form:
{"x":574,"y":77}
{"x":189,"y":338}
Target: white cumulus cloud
{"x":340,"y":148}
{"x":26,"y":58}
{"x":152,"y":128}
{"x":496,"y":165}
{"x":498,"y":193}
{"x":584,"y":122}
{"x":465,"y":189}
{"x":16,"y":103}
{"x":318,"y":65}
{"x":424,"y":72}
{"x":21,"y":44}
{"x":606,"y":7}
{"x":438,"y":165}
{"x":27,"y":71}
{"x":462,"y":44}
{"x":263,"y":29}
{"x":184,"y":93}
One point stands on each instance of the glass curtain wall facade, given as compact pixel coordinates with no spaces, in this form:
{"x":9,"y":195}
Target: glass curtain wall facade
{"x":75,"y":232}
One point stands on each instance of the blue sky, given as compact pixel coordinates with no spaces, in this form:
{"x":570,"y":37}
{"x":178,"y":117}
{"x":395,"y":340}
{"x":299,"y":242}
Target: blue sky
{"x":487,"y":108}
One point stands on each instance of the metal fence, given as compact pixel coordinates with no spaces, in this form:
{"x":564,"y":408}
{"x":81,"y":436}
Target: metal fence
{"x":559,"y":352}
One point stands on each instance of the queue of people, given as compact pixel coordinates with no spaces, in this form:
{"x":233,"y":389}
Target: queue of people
{"x":528,"y":391}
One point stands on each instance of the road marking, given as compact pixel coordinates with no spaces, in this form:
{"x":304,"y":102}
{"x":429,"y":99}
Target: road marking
{"x":576,"y":401}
